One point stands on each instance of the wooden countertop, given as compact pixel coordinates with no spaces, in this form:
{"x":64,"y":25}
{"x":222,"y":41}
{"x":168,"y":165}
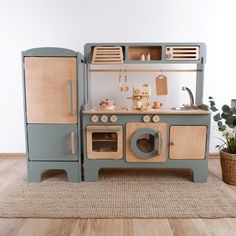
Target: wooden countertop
{"x":162,"y":111}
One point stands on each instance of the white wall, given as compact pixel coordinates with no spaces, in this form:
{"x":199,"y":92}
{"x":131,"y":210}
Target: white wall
{"x":62,"y":23}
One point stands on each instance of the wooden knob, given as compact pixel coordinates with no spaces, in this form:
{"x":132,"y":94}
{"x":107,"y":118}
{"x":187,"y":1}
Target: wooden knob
{"x":94,"y":118}
{"x":146,"y":118}
{"x":113,"y":118}
{"x":104,"y":118}
{"x":155,"y":119}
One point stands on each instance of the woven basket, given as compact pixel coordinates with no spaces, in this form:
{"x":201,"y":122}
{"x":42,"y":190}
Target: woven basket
{"x":228,"y":166}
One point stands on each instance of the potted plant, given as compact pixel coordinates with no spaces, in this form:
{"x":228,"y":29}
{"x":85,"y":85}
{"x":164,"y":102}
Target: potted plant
{"x":226,"y":122}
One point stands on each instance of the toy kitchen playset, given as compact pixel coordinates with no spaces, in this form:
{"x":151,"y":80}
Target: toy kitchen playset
{"x":65,"y":129}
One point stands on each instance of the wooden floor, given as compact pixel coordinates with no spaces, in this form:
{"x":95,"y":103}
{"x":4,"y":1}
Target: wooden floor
{"x":12,"y":169}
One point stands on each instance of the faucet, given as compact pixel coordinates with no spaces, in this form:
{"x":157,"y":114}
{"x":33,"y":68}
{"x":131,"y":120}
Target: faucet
{"x":190,"y":95}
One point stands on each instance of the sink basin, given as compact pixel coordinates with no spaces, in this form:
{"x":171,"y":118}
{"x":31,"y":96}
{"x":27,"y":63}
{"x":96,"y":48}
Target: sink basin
{"x":194,"y":107}
{"x":182,"y":108}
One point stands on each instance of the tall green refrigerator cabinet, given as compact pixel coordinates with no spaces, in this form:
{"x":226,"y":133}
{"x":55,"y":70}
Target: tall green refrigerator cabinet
{"x":52,"y":80}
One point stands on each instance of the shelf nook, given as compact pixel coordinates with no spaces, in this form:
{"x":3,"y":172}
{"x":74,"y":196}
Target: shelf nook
{"x":145,"y":53}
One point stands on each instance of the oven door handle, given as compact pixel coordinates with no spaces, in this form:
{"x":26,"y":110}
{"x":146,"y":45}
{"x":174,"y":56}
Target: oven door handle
{"x":71,"y":98}
{"x":104,"y":130}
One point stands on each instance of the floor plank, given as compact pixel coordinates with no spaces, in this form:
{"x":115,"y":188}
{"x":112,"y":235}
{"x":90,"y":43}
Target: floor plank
{"x":221,"y":227}
{"x":10,"y":227}
{"x":186,"y":227}
{"x":152,"y":227}
{"x":12,"y":169}
{"x":98,"y":227}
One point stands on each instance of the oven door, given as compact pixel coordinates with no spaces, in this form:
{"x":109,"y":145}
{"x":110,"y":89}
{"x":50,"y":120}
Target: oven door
{"x":104,"y":142}
{"x":146,"y":143}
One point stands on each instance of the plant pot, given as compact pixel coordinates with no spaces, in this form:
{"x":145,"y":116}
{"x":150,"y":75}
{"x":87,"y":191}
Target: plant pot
{"x":228,"y":166}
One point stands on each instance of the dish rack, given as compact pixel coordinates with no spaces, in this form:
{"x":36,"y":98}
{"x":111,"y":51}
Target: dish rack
{"x":107,"y":55}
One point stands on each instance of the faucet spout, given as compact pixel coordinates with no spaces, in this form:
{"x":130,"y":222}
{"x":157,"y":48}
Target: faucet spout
{"x":190,"y":95}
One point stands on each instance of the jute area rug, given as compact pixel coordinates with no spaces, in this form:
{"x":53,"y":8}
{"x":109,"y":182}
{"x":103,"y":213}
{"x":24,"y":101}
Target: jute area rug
{"x":134,"y":193}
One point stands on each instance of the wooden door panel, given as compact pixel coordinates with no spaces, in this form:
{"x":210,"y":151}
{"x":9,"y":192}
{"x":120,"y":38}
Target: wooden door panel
{"x":188,"y":142}
{"x":51,"y":90}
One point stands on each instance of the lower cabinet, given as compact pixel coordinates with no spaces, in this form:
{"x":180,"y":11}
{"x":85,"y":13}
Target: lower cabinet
{"x":187,"y":142}
{"x":52,"y":142}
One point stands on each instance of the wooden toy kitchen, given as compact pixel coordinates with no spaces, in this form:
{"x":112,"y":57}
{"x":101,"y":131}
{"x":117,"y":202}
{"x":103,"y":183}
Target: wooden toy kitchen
{"x":82,"y":115}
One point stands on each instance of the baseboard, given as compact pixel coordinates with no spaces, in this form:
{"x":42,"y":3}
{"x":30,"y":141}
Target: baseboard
{"x":213,"y":155}
{"x":12,"y":155}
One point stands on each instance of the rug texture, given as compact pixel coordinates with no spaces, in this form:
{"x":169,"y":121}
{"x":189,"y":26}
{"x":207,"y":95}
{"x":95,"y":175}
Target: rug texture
{"x":134,"y":193}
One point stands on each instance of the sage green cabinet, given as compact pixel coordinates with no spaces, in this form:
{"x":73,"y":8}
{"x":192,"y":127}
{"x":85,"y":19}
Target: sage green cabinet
{"x":52,"y":142}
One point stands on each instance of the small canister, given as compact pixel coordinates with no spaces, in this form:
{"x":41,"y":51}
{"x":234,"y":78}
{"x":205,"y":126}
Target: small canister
{"x":138,"y":105}
{"x":156,"y":105}
{"x":142,"y":57}
{"x":147,"y":57}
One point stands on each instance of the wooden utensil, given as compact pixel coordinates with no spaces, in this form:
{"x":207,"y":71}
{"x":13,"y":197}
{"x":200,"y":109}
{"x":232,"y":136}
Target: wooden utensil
{"x":123,"y":82}
{"x":161,"y":85}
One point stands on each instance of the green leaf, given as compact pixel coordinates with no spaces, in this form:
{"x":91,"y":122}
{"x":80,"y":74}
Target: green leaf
{"x":217,"y":117}
{"x":234,"y":120}
{"x":213,"y":108}
{"x":226,"y":108}
{"x":231,"y":122}
{"x":226,"y":114}
{"x":210,"y":97}
{"x":233,"y":109}
{"x":228,"y":122}
{"x":219,"y":123}
{"x":212,"y":103}
{"x":222,"y":128}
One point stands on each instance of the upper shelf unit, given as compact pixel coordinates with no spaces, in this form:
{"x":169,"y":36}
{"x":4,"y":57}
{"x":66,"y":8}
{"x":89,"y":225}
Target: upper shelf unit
{"x":145,"y":53}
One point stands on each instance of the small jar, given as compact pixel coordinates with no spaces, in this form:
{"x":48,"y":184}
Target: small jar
{"x":142,"y":57}
{"x":147,"y":57}
{"x":138,"y":105}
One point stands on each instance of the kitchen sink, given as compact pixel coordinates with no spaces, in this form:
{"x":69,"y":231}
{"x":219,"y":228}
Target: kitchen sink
{"x":194,"y":107}
{"x":183,"y":108}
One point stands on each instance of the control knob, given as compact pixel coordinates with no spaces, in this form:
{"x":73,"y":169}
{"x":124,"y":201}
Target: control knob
{"x":104,"y":118}
{"x":113,"y":118}
{"x":94,"y":119}
{"x":146,"y":118}
{"x":155,"y":118}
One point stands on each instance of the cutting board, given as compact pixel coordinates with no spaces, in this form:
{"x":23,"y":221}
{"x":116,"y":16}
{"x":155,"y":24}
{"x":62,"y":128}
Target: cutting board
{"x":161,"y":85}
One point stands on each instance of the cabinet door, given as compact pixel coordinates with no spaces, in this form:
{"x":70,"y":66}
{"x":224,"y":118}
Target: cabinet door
{"x":51,"y":90}
{"x":188,"y":142}
{"x":52,"y":142}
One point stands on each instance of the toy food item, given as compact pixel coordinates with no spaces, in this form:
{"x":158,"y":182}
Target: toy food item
{"x":107,"y":104}
{"x":156,"y":105}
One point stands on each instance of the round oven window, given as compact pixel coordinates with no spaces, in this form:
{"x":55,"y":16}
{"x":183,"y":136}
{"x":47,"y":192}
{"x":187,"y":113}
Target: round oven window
{"x":145,"y":143}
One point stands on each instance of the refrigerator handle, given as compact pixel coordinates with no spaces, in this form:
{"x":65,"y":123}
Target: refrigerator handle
{"x":71,"y":98}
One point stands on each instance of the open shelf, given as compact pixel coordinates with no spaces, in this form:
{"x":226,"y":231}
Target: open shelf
{"x":135,"y":53}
